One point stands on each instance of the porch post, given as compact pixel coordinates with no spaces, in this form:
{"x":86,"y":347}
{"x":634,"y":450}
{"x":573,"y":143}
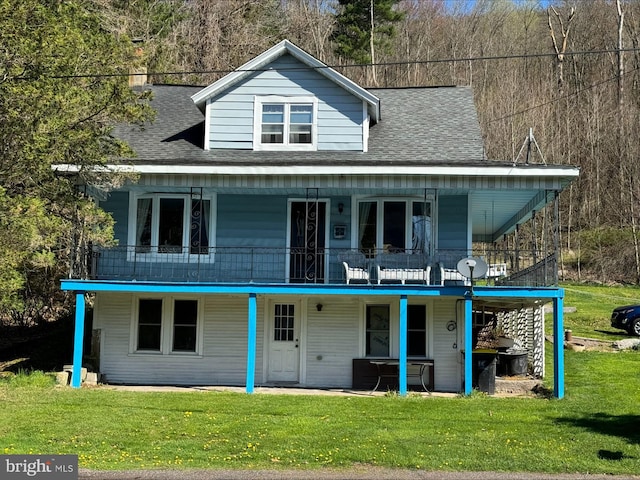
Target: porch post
{"x":78,"y":341}
{"x":558,"y":347}
{"x":402,"y":364}
{"x":468,"y":345}
{"x":251,"y":343}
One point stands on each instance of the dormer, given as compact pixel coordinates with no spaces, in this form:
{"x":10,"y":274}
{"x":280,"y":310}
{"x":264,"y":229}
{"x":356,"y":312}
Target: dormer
{"x":287,"y":100}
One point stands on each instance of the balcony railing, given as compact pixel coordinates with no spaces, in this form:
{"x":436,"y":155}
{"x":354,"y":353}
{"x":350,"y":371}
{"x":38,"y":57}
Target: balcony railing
{"x":304,"y":265}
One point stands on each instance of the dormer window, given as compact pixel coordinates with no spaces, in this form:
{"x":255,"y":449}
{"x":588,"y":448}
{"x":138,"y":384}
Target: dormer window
{"x":285,"y":123}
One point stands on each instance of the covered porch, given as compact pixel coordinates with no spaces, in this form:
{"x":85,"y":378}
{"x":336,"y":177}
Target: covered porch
{"x":470,"y":298}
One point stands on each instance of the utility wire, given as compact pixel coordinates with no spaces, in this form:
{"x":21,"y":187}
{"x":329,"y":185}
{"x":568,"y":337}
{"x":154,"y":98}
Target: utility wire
{"x":382,"y":64}
{"x":564,"y":97}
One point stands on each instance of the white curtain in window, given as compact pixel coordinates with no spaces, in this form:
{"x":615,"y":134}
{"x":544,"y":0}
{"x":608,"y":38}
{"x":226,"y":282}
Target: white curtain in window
{"x":143,"y":222}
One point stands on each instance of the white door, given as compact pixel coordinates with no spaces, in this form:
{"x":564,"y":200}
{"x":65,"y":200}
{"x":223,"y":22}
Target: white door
{"x":284,"y":351}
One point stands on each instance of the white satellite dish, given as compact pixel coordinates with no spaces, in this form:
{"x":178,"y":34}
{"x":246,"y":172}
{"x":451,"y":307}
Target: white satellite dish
{"x":472,"y":267}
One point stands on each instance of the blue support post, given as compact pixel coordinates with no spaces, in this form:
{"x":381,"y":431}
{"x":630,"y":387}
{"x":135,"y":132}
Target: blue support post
{"x":558,"y":347}
{"x":78,"y":341}
{"x":251,"y":343}
{"x":402,"y":364}
{"x":468,"y":345}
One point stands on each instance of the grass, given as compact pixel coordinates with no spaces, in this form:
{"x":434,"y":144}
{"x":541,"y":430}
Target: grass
{"x":595,"y":428}
{"x":594,"y":305}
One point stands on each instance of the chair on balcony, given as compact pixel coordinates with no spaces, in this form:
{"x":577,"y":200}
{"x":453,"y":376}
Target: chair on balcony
{"x":452,"y":275}
{"x":356,"y":267}
{"x":497,"y":270}
{"x":403,"y":268}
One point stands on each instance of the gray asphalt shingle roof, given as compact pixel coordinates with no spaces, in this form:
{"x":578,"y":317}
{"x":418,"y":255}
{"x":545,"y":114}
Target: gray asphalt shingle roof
{"x":419,"y":126}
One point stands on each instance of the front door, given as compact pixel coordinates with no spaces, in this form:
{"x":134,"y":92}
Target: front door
{"x":284,"y":349}
{"x":307,"y":232}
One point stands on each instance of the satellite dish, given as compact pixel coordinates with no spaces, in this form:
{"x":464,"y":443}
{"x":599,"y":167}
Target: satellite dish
{"x":471,"y":265}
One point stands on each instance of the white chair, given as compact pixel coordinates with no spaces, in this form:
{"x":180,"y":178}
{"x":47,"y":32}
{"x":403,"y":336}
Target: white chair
{"x":452,"y":275}
{"x":497,"y":270}
{"x":403,"y":268}
{"x":355,"y":273}
{"x":356,"y":267}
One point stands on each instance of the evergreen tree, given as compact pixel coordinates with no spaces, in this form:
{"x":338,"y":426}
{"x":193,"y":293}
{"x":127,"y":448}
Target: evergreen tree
{"x":63,"y":84}
{"x":362,"y":26}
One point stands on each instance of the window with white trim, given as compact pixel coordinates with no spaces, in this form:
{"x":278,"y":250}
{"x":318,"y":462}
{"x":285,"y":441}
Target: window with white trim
{"x":395,"y":226}
{"x":167,"y":326}
{"x":377,"y":331}
{"x":171,"y":224}
{"x":285,"y":123}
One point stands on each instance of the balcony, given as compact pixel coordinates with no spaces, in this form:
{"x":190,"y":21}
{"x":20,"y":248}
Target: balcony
{"x":263,"y":265}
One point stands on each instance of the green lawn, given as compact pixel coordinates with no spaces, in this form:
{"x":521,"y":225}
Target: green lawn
{"x":595,"y":428}
{"x":594,"y":305}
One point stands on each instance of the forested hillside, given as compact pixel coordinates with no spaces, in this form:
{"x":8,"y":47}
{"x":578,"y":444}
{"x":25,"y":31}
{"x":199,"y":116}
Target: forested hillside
{"x":569,"y":71}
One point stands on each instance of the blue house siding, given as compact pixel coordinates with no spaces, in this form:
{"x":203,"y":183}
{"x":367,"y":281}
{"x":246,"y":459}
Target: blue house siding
{"x":118,"y":205}
{"x":252,"y":220}
{"x":453,"y":211}
{"x":339,"y":119}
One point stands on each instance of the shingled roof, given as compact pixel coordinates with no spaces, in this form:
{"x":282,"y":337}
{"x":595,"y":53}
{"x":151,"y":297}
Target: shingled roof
{"x":419,"y":126}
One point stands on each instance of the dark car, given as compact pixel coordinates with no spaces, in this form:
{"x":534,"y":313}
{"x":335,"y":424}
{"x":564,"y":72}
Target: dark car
{"x":627,"y":318}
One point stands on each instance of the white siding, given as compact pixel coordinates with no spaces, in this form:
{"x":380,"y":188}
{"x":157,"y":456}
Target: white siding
{"x":446,"y":346}
{"x":332,"y":338}
{"x":332,"y":342}
{"x":224,"y":353}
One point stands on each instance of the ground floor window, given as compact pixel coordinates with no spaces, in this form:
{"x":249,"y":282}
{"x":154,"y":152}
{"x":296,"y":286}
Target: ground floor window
{"x":377,"y":331}
{"x":417,"y":331}
{"x":167,"y":325}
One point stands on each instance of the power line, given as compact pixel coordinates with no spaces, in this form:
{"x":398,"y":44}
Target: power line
{"x":381,"y":64}
{"x":564,"y":97}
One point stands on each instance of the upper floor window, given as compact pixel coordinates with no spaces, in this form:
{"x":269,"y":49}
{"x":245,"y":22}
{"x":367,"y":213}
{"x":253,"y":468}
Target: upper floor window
{"x":285,"y":123}
{"x":394,"y":226}
{"x":171,"y":224}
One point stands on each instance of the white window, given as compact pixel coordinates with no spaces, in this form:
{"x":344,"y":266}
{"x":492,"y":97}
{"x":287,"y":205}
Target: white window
{"x":168,"y":325}
{"x":285,"y":123}
{"x":395,"y":226}
{"x":171,"y":224}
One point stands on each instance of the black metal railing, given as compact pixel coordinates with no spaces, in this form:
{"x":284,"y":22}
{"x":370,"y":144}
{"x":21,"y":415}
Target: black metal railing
{"x":303,"y":265}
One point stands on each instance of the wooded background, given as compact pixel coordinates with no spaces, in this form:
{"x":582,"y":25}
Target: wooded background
{"x":567,"y":70}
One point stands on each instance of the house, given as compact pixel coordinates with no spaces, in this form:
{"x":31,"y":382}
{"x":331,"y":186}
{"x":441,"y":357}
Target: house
{"x":290,"y":227}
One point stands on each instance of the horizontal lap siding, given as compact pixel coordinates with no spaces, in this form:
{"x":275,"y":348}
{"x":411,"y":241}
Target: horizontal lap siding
{"x":225,"y":339}
{"x":232,"y":113}
{"x":452,"y":222}
{"x":446,"y":346}
{"x":332,"y":342}
{"x":253,"y":220}
{"x":118,"y":205}
{"x":224,"y":354}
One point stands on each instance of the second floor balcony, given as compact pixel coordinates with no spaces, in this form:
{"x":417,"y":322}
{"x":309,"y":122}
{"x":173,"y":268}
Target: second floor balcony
{"x":305,"y":265}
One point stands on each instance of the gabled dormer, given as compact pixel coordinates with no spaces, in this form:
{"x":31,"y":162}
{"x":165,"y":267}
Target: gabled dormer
{"x":287,"y":100}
